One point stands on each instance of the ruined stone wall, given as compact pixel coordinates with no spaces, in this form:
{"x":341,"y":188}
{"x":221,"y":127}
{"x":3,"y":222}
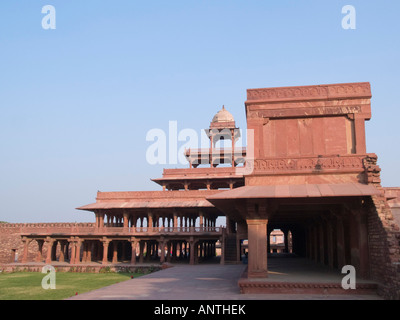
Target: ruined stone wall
{"x":10,"y":241}
{"x":384,"y":248}
{"x":383,"y":237}
{"x":11,"y":246}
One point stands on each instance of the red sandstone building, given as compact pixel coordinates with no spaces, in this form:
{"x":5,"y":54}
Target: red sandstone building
{"x":307,"y":174}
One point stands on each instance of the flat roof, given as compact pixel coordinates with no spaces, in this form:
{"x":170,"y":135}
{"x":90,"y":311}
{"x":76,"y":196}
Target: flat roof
{"x":298,"y":191}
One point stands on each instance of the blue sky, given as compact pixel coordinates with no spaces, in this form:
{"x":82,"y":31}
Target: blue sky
{"x":76,"y":102}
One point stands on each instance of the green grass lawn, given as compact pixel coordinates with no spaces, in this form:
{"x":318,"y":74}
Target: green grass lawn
{"x":28,"y":285}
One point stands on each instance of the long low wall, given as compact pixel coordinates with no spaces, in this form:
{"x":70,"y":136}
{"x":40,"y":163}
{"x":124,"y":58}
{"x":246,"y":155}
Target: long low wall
{"x":11,"y":246}
{"x":84,"y":268}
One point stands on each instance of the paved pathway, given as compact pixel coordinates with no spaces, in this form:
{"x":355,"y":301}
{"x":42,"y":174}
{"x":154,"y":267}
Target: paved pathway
{"x":194,"y":282}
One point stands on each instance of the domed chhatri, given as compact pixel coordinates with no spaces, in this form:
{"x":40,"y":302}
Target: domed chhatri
{"x":223,"y":115}
{"x":223,"y":120}
{"x":222,"y":127}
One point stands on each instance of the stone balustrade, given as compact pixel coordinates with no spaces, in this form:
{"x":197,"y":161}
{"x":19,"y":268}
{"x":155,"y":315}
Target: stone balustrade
{"x":76,"y":230}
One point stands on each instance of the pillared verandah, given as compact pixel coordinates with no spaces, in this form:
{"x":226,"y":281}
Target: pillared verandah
{"x":307,"y":172}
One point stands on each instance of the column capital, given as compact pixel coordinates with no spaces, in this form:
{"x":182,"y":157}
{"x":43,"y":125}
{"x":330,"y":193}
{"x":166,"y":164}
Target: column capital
{"x":49,"y":240}
{"x":71,"y":239}
{"x":257,"y":221}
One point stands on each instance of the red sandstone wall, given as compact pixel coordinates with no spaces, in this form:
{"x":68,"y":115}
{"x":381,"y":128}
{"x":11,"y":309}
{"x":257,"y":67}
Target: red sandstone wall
{"x":10,"y":239}
{"x":307,"y":137}
{"x":384,"y":248}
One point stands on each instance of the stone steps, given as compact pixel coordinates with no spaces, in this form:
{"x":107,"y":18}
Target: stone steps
{"x":230,"y":249}
{"x":268,"y":286}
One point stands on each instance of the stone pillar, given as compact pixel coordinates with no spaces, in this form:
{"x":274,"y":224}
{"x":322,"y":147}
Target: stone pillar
{"x":72,"y":245}
{"x":162,"y":248}
{"x":211,"y":150}
{"x":101,"y":220}
{"x":257,"y":237}
{"x":115,"y":251}
{"x":133,"y":256}
{"x":149,"y":219}
{"x":49,"y":245}
{"x":201,"y":216}
{"x":193,"y":251}
{"x":78,"y":250}
{"x":233,"y":154}
{"x":175,"y":220}
{"x":97,"y":215}
{"x":141,"y":249}
{"x":105,"y":242}
{"x":126,"y":220}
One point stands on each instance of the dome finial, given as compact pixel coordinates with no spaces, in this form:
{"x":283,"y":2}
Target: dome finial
{"x":223,"y":115}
